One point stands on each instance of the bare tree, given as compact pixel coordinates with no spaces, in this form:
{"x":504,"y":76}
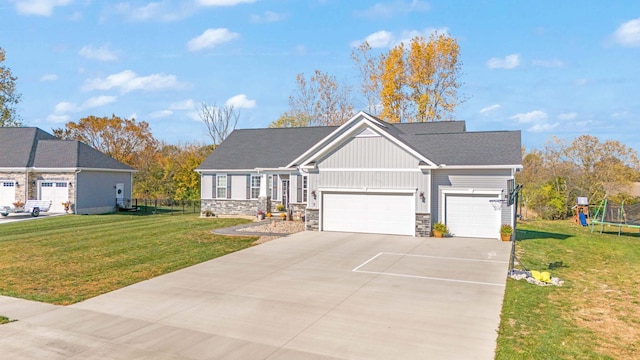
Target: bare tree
{"x":220,"y":121}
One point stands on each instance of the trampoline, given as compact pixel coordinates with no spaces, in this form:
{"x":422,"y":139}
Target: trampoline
{"x":616,"y":215}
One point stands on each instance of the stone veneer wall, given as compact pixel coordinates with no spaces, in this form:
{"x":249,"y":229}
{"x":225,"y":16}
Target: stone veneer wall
{"x":230,"y":207}
{"x":297,"y":208}
{"x":312,"y":219}
{"x":423,"y":225}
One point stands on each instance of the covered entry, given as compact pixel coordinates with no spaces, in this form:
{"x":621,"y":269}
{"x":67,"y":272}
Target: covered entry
{"x":57,"y":192}
{"x":382,"y":213}
{"x":472,"y":215}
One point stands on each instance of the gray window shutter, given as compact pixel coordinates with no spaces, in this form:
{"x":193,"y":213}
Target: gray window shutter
{"x":248,"y":186}
{"x":274,"y":194}
{"x":228,"y":186}
{"x":299,"y":187}
{"x":215,"y":187}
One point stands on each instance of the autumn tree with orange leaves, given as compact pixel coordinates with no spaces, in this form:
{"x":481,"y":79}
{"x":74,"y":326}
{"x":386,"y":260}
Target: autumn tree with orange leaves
{"x":122,"y":139}
{"x":415,"y":83}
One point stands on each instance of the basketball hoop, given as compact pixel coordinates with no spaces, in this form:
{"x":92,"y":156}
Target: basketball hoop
{"x":498,"y":204}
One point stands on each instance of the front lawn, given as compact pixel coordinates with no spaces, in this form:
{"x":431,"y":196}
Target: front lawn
{"x":595,"y":315}
{"x":66,"y":259}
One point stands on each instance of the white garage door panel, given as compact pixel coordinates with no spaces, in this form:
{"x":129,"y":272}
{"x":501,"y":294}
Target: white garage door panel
{"x":57,"y":192}
{"x":369,"y":213}
{"x":472,"y":216}
{"x":7,"y":193}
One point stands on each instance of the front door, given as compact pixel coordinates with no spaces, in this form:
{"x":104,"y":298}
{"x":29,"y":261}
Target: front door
{"x":285,"y":193}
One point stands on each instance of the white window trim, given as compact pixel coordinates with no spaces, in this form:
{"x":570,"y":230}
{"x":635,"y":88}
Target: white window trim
{"x":226,"y":183}
{"x":252,"y":187}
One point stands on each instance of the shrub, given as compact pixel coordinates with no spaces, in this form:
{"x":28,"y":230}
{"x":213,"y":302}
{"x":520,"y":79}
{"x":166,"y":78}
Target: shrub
{"x":506,"y":229}
{"x":280,"y":207}
{"x":440,"y":227}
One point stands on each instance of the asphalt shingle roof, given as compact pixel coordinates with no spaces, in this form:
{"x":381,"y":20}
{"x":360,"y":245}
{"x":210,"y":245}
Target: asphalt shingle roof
{"x":32,"y":147}
{"x":444,"y":142}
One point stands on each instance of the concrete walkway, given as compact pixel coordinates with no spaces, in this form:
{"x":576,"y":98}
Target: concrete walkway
{"x":306,"y":296}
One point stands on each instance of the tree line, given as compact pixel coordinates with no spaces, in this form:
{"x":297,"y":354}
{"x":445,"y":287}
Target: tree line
{"x":563,"y":170}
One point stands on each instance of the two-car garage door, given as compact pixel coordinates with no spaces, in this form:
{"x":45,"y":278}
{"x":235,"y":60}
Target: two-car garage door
{"x":472,"y":215}
{"x":369,"y":213}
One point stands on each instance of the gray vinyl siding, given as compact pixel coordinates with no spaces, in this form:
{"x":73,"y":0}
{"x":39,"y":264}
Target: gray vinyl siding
{"x":206,"y":186}
{"x":238,"y":186}
{"x":95,"y":190}
{"x":369,"y":152}
{"x":392,"y":180}
{"x":468,"y":179}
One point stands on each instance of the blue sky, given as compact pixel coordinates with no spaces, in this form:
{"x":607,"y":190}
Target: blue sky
{"x":561,"y":68}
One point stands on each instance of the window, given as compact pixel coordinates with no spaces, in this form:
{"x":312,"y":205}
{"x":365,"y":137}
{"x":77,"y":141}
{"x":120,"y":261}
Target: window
{"x":273,"y":184}
{"x":8,"y":184}
{"x":46,"y":184}
{"x":255,"y":186}
{"x":61,"y":184}
{"x":221,"y":186}
{"x":304,"y":188}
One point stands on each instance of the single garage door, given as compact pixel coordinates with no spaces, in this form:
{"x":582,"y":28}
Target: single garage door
{"x":57,"y":192}
{"x":7,"y":192}
{"x":369,"y":213}
{"x":472,"y":216}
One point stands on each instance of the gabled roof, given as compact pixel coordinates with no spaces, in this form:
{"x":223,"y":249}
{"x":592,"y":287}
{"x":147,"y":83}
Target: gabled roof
{"x":34,"y":148}
{"x":439,"y":143}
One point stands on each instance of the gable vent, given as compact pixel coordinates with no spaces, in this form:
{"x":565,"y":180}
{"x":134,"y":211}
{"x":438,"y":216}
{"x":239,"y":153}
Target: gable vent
{"x":367,"y":133}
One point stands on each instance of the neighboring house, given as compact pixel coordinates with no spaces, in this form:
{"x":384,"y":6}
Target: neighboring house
{"x":36,"y":165}
{"x":368,"y":176}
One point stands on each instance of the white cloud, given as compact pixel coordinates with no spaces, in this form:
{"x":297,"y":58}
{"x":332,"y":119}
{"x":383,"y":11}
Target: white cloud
{"x":58,"y":118}
{"x":379,"y":39}
{"x":543,"y":127}
{"x":530,"y":117}
{"x":38,"y":7}
{"x":163,"y":10}
{"x":620,"y":114}
{"x":386,"y":39}
{"x":128,"y":81}
{"x":183,"y":105}
{"x":49,"y":77}
{"x":628,"y":34}
{"x":393,"y":9}
{"x":300,"y":50}
{"x":509,"y":62}
{"x":240,"y":101}
{"x":489,"y":109}
{"x":102,"y":53}
{"x":267,"y":17}
{"x":548,"y":63}
{"x":65,"y":107}
{"x":98,"y":101}
{"x":211,"y":38}
{"x":223,"y":2}
{"x":567,"y":116}
{"x":160,"y":114}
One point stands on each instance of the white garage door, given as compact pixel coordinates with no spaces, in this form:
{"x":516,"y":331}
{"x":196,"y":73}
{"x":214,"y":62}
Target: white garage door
{"x":472,"y":216}
{"x":369,"y":213}
{"x":57,"y":192}
{"x":7,"y":193}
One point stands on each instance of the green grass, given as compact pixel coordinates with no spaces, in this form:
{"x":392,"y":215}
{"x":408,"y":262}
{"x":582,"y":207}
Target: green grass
{"x":66,"y":259}
{"x":5,"y":320}
{"x":595,"y":315}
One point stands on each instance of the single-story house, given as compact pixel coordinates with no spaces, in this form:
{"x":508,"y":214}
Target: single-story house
{"x":368,"y":176}
{"x":35,"y":165}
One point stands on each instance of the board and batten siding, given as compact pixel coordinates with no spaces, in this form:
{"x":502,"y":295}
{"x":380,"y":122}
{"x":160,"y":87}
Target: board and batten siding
{"x":368,"y":152}
{"x":490,"y":179}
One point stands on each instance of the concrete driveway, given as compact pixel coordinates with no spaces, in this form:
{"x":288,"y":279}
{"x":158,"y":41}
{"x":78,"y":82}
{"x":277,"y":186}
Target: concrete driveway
{"x":307,"y":296}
